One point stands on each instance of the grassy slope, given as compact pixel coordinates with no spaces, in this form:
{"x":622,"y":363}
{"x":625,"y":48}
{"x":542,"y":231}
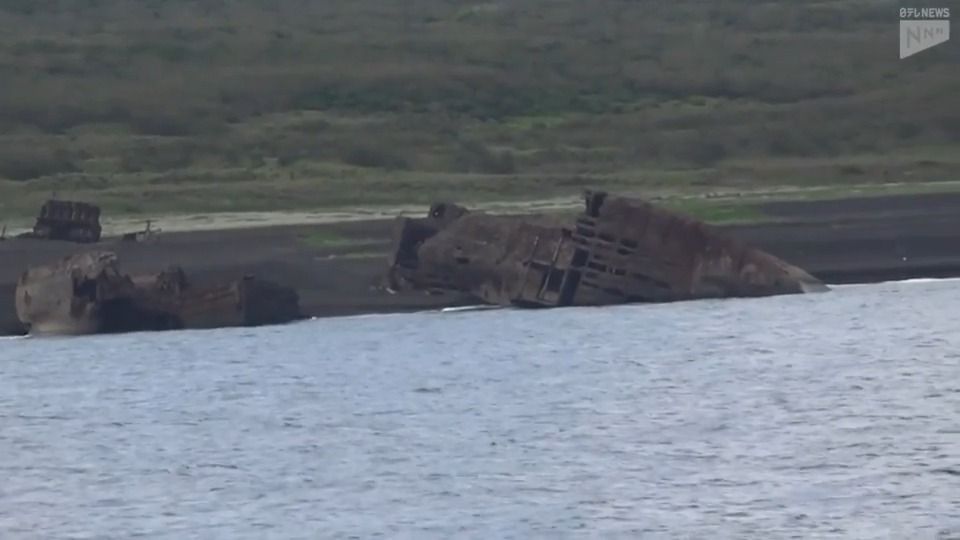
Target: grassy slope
{"x":150,"y":106}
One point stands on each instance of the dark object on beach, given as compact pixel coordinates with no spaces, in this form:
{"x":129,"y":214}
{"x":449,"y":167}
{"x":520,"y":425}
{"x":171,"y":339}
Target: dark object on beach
{"x":147,"y":234}
{"x":87,"y":294}
{"x":618,"y":250}
{"x":68,"y":220}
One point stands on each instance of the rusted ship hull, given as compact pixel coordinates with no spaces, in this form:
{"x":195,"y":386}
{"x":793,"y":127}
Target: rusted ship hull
{"x":68,"y":220}
{"x":87,"y":294}
{"x":618,"y":250}
{"x":67,"y":297}
{"x":245,"y":302}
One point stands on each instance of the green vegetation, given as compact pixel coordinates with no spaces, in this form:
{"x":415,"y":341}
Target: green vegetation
{"x":719,"y":212}
{"x":161,"y":106}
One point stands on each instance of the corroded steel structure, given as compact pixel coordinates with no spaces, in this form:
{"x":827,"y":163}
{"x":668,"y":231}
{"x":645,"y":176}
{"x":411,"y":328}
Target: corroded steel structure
{"x":68,"y":220}
{"x":617,"y":250}
{"x":87,"y":294}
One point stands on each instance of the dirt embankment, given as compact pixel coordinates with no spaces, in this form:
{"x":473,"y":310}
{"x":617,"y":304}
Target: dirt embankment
{"x":337,"y":267}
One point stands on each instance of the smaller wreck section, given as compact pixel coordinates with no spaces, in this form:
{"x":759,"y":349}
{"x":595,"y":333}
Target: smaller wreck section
{"x":68,"y":220}
{"x":88,"y":294}
{"x":617,"y":250}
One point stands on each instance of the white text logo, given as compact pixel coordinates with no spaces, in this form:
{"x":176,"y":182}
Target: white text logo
{"x":922,"y":28}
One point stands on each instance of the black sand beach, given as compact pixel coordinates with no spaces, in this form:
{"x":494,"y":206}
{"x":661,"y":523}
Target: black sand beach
{"x":336,"y":268}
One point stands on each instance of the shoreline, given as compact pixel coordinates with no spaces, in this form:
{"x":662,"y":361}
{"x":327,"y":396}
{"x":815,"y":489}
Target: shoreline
{"x":116,"y":225}
{"x":336,"y":267}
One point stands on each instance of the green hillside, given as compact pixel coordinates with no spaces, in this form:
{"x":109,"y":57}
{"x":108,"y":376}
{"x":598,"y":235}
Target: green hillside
{"x":149,"y":106}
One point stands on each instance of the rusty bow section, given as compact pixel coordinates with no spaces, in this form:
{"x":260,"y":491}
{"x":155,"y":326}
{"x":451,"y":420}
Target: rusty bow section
{"x":87,"y":294}
{"x":618,"y":250}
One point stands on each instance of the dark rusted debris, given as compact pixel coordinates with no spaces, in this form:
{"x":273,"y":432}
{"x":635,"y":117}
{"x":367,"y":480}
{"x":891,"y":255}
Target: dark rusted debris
{"x":68,"y":220}
{"x":146,"y":235}
{"x":87,"y":294}
{"x":618,"y":250}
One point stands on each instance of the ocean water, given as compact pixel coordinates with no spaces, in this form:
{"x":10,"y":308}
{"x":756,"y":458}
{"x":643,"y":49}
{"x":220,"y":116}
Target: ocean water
{"x":822,"y":416}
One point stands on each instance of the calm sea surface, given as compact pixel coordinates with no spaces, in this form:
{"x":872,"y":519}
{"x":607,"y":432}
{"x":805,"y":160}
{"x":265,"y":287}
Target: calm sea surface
{"x":821,"y":416}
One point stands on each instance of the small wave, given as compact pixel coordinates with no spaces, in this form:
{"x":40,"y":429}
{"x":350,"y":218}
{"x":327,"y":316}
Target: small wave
{"x":468,"y":308}
{"x":897,"y":281}
{"x":925,"y":280}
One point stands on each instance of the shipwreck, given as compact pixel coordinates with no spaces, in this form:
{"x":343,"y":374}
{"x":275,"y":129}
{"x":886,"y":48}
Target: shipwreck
{"x":617,"y":250}
{"x":88,"y":294}
{"x":68,"y":220}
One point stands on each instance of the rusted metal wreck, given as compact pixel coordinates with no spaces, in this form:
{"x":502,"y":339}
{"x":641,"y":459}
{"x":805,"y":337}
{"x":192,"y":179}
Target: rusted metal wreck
{"x":618,"y":250}
{"x":88,"y":294}
{"x":68,"y":220}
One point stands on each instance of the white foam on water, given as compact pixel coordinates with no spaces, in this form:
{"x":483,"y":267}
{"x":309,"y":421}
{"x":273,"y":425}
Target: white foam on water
{"x":925,"y":280}
{"x":468,"y":308}
{"x":911,"y":281}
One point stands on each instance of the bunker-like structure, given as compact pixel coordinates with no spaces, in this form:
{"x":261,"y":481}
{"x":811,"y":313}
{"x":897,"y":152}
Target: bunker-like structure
{"x":617,"y":250}
{"x":88,"y":294}
{"x":68,"y":220}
